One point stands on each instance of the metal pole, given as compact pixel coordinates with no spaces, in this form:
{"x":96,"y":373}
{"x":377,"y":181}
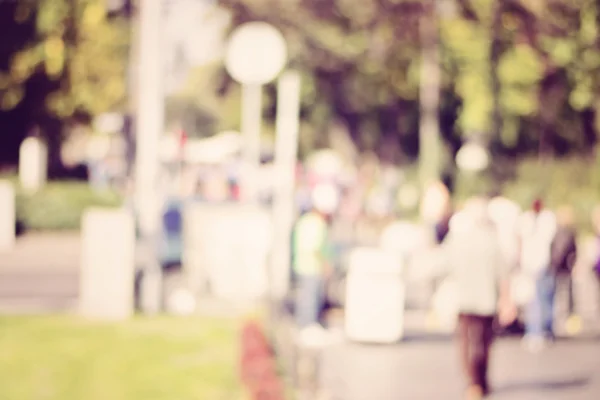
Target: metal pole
{"x":131,"y":9}
{"x":250,"y":126}
{"x":429,"y":129}
{"x":286,"y":150}
{"x":150,"y":114}
{"x":149,"y":128}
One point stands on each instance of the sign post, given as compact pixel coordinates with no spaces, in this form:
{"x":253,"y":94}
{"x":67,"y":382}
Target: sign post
{"x":286,"y":149}
{"x":256,"y":54}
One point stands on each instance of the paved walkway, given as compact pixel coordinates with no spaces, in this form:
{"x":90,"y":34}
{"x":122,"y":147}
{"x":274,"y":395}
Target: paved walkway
{"x":429,"y":370}
{"x":36,"y":252}
{"x":40,"y":274}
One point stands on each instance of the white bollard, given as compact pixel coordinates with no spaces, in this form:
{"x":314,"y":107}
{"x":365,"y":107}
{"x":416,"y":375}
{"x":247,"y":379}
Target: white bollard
{"x":7,"y":216}
{"x":33,"y":164}
{"x":107,"y":268}
{"x":375,"y":297}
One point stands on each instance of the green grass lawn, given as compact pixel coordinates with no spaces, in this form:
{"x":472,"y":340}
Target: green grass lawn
{"x":64,"y":358}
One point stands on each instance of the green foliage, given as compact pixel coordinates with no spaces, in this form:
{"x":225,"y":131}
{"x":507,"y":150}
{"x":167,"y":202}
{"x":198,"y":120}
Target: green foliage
{"x":536,"y":63}
{"x":77,"y":47}
{"x":159,"y":358}
{"x":364,"y":57}
{"x":571,"y":181}
{"x":60,"y":205}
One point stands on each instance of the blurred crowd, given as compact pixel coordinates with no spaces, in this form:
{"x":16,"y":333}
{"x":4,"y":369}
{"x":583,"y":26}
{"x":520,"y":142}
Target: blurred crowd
{"x":490,"y":264}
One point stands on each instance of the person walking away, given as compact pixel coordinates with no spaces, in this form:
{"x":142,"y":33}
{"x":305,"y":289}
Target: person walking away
{"x":563,"y":255}
{"x":505,"y":215}
{"x":472,"y":258}
{"x":537,"y":231}
{"x":311,"y":264}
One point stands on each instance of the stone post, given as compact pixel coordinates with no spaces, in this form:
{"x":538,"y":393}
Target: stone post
{"x":107,"y":265}
{"x":7,"y":216}
{"x":33,"y":164}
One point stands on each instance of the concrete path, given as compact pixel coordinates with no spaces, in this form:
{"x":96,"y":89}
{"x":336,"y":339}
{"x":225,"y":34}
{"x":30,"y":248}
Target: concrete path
{"x":36,"y":252}
{"x":429,"y":370}
{"x":40,"y":274}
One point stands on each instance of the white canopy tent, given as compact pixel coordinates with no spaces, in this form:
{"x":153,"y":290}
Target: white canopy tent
{"x":213,"y":150}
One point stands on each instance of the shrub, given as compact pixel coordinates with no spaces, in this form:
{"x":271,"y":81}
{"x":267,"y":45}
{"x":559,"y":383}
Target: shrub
{"x":573,"y":181}
{"x":60,"y":205}
{"x":568,"y":181}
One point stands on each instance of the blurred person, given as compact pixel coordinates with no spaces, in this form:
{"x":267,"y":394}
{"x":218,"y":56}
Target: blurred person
{"x":505,"y":214}
{"x":435,"y":203}
{"x":596,"y":224}
{"x":311,"y":259}
{"x":537,"y":229}
{"x":472,"y":259}
{"x":399,"y":237}
{"x":563,"y":254}
{"x":442,"y":227}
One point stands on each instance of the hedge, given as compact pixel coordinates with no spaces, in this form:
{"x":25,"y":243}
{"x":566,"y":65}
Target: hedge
{"x":564,"y":181}
{"x":574,"y":181}
{"x":59,"y":205}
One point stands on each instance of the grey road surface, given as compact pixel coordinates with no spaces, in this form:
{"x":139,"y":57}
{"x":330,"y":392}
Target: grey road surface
{"x":429,"y":369}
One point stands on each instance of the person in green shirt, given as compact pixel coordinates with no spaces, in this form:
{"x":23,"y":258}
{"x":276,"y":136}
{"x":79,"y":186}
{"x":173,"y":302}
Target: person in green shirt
{"x":312,"y":255}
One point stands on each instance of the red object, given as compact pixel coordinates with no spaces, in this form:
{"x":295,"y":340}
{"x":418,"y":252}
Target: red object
{"x":182,"y":142}
{"x":258,"y":367}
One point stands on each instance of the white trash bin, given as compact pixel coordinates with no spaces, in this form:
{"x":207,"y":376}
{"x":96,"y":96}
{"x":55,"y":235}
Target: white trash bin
{"x":374,"y":297}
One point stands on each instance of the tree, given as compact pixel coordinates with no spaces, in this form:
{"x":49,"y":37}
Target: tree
{"x":79,"y":49}
{"x":71,"y":65}
{"x":524,"y":77}
{"x":359,"y":61}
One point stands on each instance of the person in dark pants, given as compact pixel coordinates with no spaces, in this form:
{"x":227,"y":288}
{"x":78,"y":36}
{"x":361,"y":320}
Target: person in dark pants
{"x":475,"y":334}
{"x":563,"y":254}
{"x":472,"y":258}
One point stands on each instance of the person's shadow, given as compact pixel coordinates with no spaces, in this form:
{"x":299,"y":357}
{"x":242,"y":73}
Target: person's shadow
{"x":547,"y":385}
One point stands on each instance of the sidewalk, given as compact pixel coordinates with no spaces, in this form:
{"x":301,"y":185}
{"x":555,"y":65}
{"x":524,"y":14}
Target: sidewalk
{"x":37,"y":252}
{"x":430,"y":370}
{"x":425,"y":366}
{"x":40,"y":274}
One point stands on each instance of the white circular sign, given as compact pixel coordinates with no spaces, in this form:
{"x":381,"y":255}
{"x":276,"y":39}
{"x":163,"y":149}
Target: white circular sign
{"x":472,"y":157}
{"x":256,"y":53}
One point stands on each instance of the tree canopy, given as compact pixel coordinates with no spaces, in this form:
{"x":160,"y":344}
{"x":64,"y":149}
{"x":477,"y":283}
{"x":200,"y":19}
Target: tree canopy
{"x":74,"y":46}
{"x":524,"y":73}
{"x":61,"y":60}
{"x":535,"y":63}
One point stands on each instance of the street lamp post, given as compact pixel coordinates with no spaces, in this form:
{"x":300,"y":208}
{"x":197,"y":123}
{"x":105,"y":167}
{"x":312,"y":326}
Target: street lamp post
{"x":149,"y":128}
{"x":429,"y":95}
